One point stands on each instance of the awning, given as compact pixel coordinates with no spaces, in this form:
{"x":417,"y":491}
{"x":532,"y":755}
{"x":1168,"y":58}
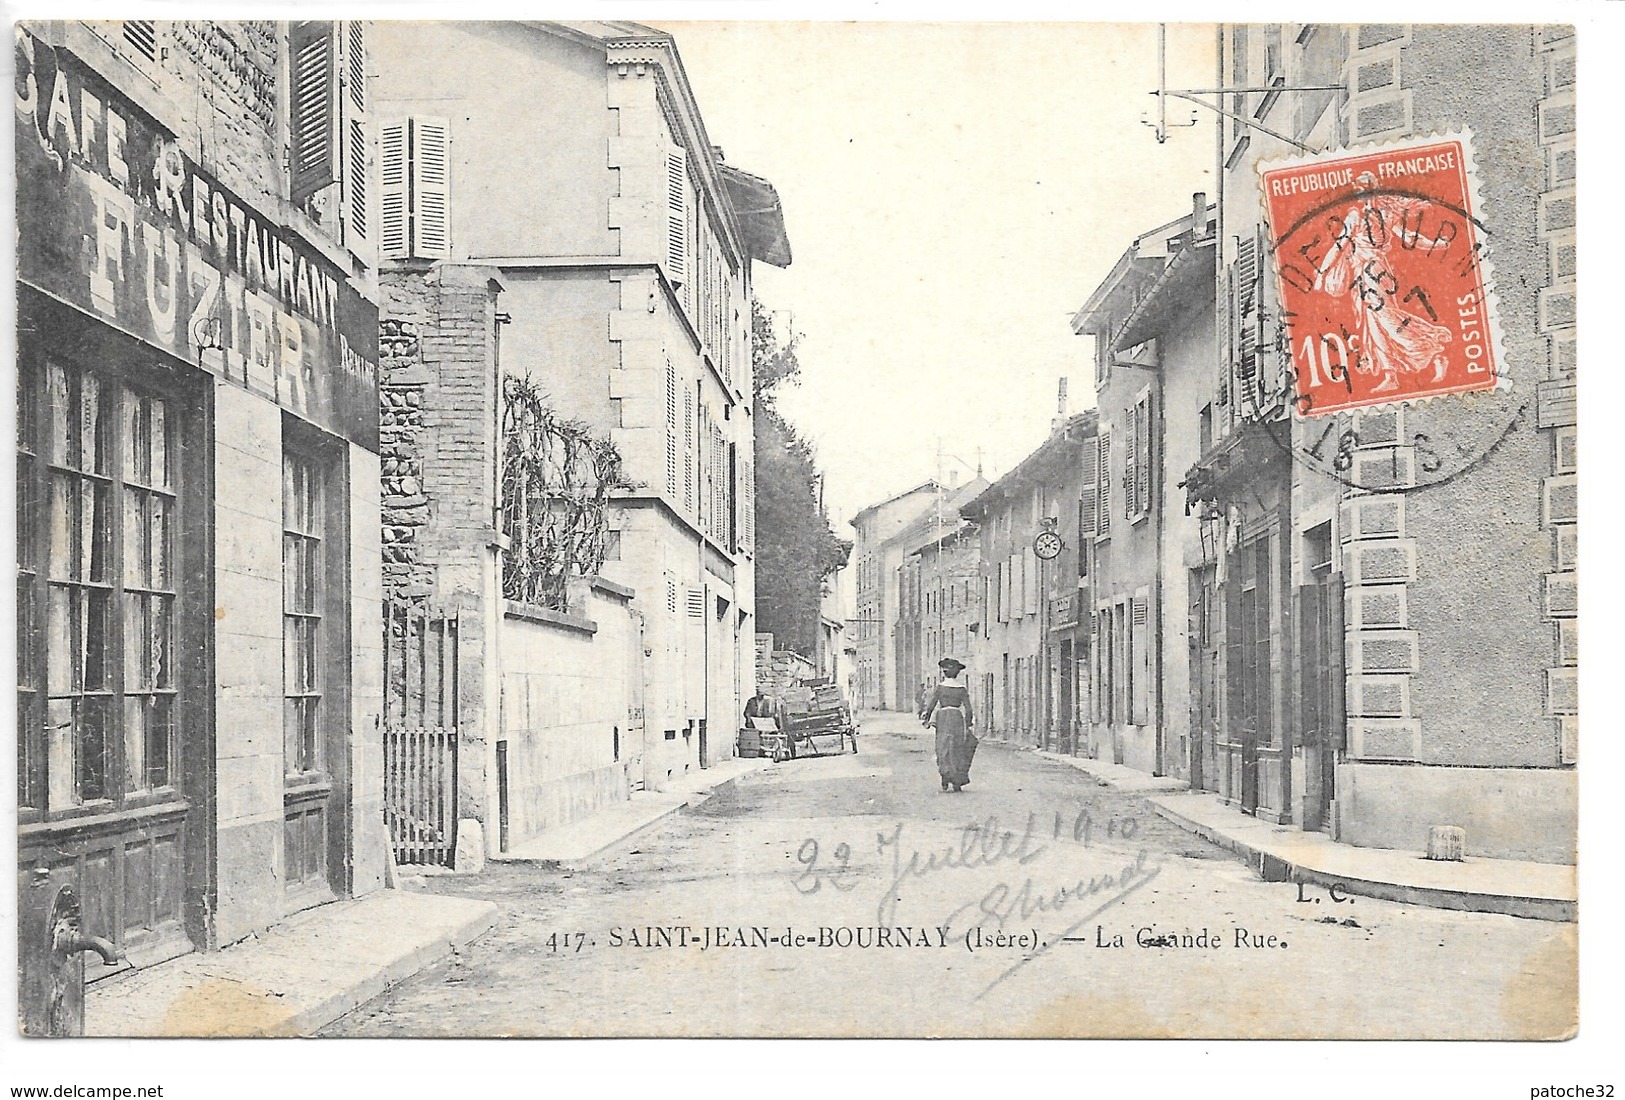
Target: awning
{"x":760,"y":215}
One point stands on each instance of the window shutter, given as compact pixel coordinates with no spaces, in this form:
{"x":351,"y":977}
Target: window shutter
{"x":677,"y":215}
{"x":1131,"y":465}
{"x":1103,"y":511}
{"x":356,"y":198}
{"x":431,"y":179}
{"x":1140,"y":653}
{"x":1089,"y":462}
{"x":313,"y":108}
{"x":1147,"y":453}
{"x":688,"y":450}
{"x":392,"y":228}
{"x":142,"y":36}
{"x":1032,"y":568}
{"x":356,"y":180}
{"x":671,"y":431}
{"x":355,"y":62}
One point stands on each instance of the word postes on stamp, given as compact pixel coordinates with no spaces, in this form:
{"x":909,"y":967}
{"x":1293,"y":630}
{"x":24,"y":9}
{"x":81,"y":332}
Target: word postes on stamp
{"x":1380,"y":261}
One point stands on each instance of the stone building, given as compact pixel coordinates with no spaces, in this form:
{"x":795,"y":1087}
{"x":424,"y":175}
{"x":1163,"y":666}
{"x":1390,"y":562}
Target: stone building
{"x":939,"y":603}
{"x":197,"y":540}
{"x":876,"y":557}
{"x":1152,"y":323}
{"x":1024,"y":661}
{"x":555,"y":212}
{"x":1365,"y":690}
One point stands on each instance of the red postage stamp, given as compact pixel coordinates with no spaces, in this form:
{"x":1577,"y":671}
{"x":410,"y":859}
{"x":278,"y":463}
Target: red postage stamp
{"x":1384,"y":286}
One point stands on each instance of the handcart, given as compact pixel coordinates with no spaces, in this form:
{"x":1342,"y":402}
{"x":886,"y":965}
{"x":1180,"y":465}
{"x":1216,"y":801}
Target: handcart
{"x":816,"y":720}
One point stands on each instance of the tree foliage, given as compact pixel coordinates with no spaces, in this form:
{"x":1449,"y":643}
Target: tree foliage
{"x":795,"y":546}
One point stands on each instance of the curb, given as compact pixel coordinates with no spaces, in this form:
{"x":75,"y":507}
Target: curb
{"x":406,"y":965}
{"x":1274,"y":868}
{"x":578,"y":862}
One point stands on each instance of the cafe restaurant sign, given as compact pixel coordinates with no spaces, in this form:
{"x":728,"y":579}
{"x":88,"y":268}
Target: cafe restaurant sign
{"x":114,"y":218}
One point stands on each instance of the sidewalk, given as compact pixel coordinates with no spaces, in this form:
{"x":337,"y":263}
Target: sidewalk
{"x":1285,"y":853}
{"x":294,"y":979}
{"x":580,"y":841}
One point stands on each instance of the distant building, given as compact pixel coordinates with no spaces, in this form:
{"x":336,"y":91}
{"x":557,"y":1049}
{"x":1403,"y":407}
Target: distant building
{"x":1149,"y":582}
{"x":874,"y":563}
{"x":199,"y":636}
{"x":554,"y":210}
{"x":939,"y":605}
{"x":1024,"y":663}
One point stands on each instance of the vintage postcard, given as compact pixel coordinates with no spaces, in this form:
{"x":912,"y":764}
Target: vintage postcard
{"x":796,"y":529}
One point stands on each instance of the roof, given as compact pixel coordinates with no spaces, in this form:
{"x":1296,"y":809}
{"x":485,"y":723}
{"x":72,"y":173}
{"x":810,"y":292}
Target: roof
{"x":1190,"y":272}
{"x":1073,"y":430}
{"x":1144,"y":262}
{"x":925,"y":529}
{"x":928,"y":483}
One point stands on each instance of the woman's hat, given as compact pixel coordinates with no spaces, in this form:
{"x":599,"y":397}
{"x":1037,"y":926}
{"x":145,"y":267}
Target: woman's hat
{"x":951,"y":666}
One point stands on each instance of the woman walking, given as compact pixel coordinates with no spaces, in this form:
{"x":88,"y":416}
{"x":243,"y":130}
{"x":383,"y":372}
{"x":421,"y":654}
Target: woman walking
{"x":948,"y":708}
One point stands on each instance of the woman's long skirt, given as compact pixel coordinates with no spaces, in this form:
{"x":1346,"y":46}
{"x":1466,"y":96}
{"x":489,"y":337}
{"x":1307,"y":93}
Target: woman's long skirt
{"x":954,"y":745}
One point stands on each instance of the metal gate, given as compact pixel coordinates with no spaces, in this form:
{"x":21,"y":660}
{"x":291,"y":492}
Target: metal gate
{"x":420,"y":732}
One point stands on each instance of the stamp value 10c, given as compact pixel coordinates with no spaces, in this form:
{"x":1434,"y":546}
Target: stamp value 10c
{"x":1382,"y":275}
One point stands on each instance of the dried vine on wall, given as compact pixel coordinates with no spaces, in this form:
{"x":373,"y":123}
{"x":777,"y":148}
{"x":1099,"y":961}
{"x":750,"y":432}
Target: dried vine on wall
{"x":556,"y":481}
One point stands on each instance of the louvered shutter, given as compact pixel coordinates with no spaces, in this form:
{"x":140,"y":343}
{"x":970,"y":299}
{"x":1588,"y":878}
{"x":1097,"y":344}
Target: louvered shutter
{"x":1246,"y":320}
{"x":1143,"y":435}
{"x":677,"y":215}
{"x":688,"y":451}
{"x":1140,"y":654}
{"x":1035,"y":599}
{"x":672,"y":441}
{"x":313,"y":108}
{"x":1131,"y":465}
{"x":1089,"y":463}
{"x":431,"y":185}
{"x":142,"y":37}
{"x":1103,"y":511}
{"x":356,"y":198}
{"x":355,"y":62}
{"x":392,"y":214}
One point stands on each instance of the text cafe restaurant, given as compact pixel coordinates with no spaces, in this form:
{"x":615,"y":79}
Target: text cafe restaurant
{"x":198,"y":593}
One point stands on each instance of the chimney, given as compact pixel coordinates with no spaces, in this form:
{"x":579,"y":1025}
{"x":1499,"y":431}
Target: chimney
{"x":1060,"y":407}
{"x":1199,"y":214}
{"x":953,"y":478}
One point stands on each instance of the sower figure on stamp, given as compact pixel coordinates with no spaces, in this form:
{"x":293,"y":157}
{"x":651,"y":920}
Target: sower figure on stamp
{"x":1392,"y":340}
{"x":948,"y":708}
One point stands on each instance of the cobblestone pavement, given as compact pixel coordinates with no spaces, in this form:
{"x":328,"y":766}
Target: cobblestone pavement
{"x":848,"y":895}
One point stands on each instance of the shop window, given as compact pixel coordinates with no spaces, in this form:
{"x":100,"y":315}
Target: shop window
{"x":303,"y":589}
{"x":97,"y":572}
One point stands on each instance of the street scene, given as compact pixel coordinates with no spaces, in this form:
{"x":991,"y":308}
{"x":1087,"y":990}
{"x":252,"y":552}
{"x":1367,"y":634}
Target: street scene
{"x":1123,"y":925}
{"x":603,"y":529}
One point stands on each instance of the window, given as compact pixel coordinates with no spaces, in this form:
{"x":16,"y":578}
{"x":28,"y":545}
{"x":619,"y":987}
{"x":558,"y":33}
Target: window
{"x":303,"y":586}
{"x":1103,"y":484}
{"x":414,"y":187}
{"x":312,"y":107}
{"x":97,"y":579}
{"x":1138,"y":457}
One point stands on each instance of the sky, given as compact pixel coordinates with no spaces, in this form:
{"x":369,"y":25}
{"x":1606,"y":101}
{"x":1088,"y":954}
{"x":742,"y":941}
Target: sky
{"x":952,"y":192}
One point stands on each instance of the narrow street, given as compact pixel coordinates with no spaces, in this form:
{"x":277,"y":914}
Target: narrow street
{"x":1115,"y":923}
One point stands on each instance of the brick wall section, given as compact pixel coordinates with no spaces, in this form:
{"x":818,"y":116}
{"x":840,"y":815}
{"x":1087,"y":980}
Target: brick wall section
{"x":437,"y":421}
